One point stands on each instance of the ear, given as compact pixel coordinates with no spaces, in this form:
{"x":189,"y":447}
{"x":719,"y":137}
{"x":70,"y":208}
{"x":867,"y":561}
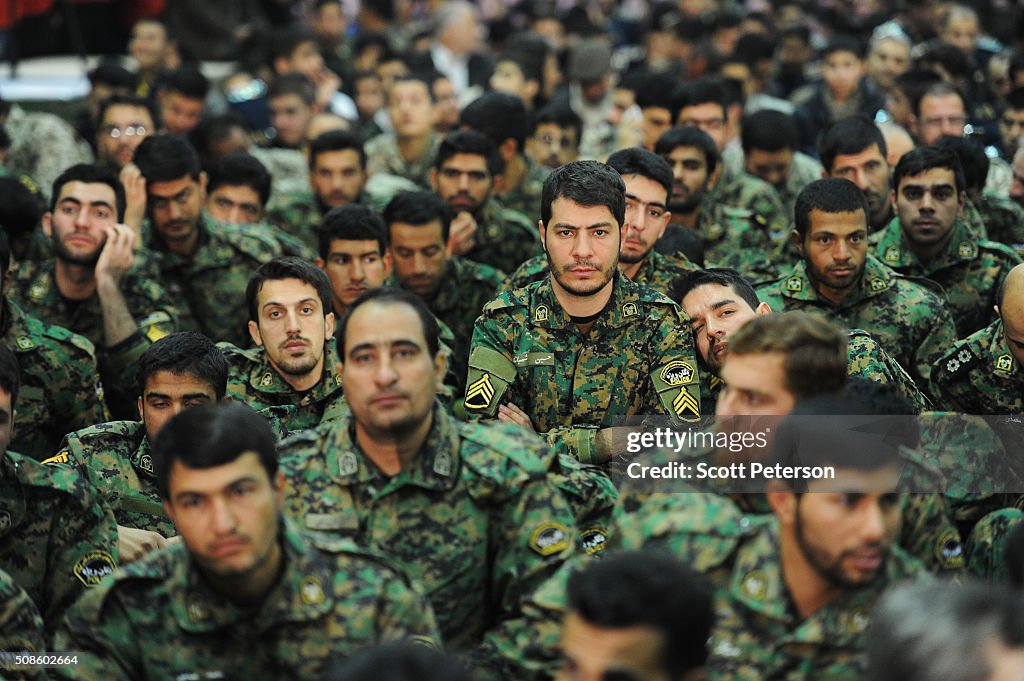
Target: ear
{"x":254,"y":333}
{"x":202,"y":187}
{"x":388,"y":263}
{"x":782,"y":501}
{"x":498,"y":184}
{"x":329,"y":326}
{"x":139,"y":405}
{"x":542,"y":231}
{"x":8,"y":280}
{"x":47,"y":223}
{"x":169,"y":510}
{"x":763,"y":309}
{"x":321,"y":264}
{"x":508,"y":149}
{"x":798,"y":243}
{"x":279,"y":484}
{"x":440,"y":368}
{"x":715,"y":176}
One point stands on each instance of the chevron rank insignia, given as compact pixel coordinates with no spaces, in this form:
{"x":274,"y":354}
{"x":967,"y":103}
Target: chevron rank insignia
{"x":480,"y":393}
{"x":686,"y":406}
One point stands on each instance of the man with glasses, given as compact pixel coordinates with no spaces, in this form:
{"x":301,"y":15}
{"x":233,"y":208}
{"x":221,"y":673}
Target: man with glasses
{"x":121,"y":125}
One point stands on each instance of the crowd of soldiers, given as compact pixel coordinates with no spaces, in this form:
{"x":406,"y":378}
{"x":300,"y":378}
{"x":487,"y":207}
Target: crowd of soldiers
{"x":357,"y":365}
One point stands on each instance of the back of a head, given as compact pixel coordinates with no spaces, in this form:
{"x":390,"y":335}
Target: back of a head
{"x":398,"y":661}
{"x":768,"y":130}
{"x":166,"y":158}
{"x":653,"y":590}
{"x":973,"y":159}
{"x":185,"y":353}
{"x":20,"y":209}
{"x":848,"y":136}
{"x":829,"y":195}
{"x":587,"y":183}
{"x":640,"y":161}
{"x":499,"y":116}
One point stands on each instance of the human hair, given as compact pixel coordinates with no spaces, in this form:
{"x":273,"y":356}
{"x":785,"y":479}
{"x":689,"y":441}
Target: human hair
{"x":848,"y":136}
{"x":703,"y":91}
{"x":1016,"y":66}
{"x":188,"y":81}
{"x":336,"y":140}
{"x":914,"y":82}
{"x":924,"y":158}
{"x":417,"y":77}
{"x":90,"y":173}
{"x":288,"y":267}
{"x":133,"y":101}
{"x":387,"y":295}
{"x":528,"y":52}
{"x":351,"y":223}
{"x":284,"y":41}
{"x":829,"y":195}
{"x":687,"y":136}
{"x":292,"y":83}
{"x":814,"y":349}
{"x":210,"y":435}
{"x":10,"y":376}
{"x":20,"y":208}
{"x":213,"y":129}
{"x":942,"y":631}
{"x":587,"y":183}
{"x":1015,"y":99}
{"x":185,"y":353}
{"x":166,"y":158}
{"x":770,"y":131}
{"x":651,"y":589}
{"x":844,"y":43}
{"x":398,"y":661}
{"x":558,"y":114}
{"x":470,"y":142}
{"x":658,"y":89}
{"x":973,"y":159}
{"x":240,"y":169}
{"x":688,"y":281}
{"x":417,"y":208}
{"x":640,"y":161}
{"x":113,"y":74}
{"x":499,"y":116}
{"x":939,"y":89}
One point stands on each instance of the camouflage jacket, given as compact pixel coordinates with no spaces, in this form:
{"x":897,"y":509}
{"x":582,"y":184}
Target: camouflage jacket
{"x":979,"y":375}
{"x":60,"y":386}
{"x":21,"y":629}
{"x":657,"y":271}
{"x":299,"y":215}
{"x":474,"y":519}
{"x":56,"y":540}
{"x":505,"y":238}
{"x":115,"y":457}
{"x":150,"y":304}
{"x":159,"y":619}
{"x":969,"y":270}
{"x":802,"y":172}
{"x":43,"y":146}
{"x":211,"y":284}
{"x":254,"y":381}
{"x":288,"y":168}
{"x":638,"y":359}
{"x":737,"y":238}
{"x":743,"y":190}
{"x":383,"y":156}
{"x":525,"y":198}
{"x":1004,"y":221}
{"x":910,"y":321}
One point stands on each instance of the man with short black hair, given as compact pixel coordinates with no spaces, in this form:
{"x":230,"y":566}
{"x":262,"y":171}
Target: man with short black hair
{"x":854,"y":148}
{"x":555,"y":139}
{"x":771,"y":152}
{"x":122,"y":122}
{"x":409,"y":152}
{"x":291,"y":98}
{"x":182,"y":97}
{"x":244,"y":592}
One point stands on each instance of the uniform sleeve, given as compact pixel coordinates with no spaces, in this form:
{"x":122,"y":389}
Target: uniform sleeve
{"x":405,"y":614}
{"x":928,"y":532}
{"x":102,"y":647}
{"x":674,"y":386}
{"x":492,"y":379}
{"x":21,"y":627}
{"x":81,"y":404}
{"x":938,"y":339}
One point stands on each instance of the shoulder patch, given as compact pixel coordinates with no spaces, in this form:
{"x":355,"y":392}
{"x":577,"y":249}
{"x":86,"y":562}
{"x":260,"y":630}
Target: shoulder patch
{"x":949,"y":551}
{"x":961,"y":362}
{"x":878,"y":284}
{"x":892,"y":254}
{"x":1004,"y":363}
{"x":93,"y":567}
{"x":967,"y":249}
{"x":795,"y":284}
{"x":503,"y":301}
{"x":549,"y":538}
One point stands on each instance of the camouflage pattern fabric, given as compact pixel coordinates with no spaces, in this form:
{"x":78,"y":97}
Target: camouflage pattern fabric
{"x":504,"y":238}
{"x":383,"y":156}
{"x":592,"y":497}
{"x":969,"y":271}
{"x":299,"y":215}
{"x":21,"y":629}
{"x":657,"y":271}
{"x":158,"y":618}
{"x":802,"y":172}
{"x":743,"y":190}
{"x":525,"y":198}
{"x":211,"y":284}
{"x":1004,"y":221}
{"x":43,"y":146}
{"x":979,"y":375}
{"x":288,"y":169}
{"x":60,"y":387}
{"x":56,"y":540}
{"x":986,"y":545}
{"x":638,"y":359}
{"x":737,"y":238}
{"x":474,"y":519}
{"x":908,"y":320}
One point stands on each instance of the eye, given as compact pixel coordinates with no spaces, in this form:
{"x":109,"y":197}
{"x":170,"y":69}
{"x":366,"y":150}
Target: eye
{"x":912,"y":194}
{"x":942,"y":193}
{"x":308,"y":309}
{"x":655,"y":213}
{"x":696,"y":327}
{"x":274,"y":314}
{"x":600,"y":232}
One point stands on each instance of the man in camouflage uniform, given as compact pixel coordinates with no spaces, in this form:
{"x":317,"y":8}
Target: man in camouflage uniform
{"x":467,"y":509}
{"x":56,"y":540}
{"x":1002,"y":218}
{"x":982,"y":373}
{"x":204,"y":264}
{"x":95,"y":286}
{"x":732,"y":237}
{"x":60,"y":384}
{"x":482,"y":230}
{"x":928,"y":239}
{"x":854,"y":148}
{"x":21,"y":628}
{"x":337,"y":175}
{"x":574,"y":354}
{"x":840,"y":280}
{"x":293,"y":363}
{"x":504,"y":119}
{"x":454,"y":288}
{"x":244,"y":594}
{"x":648,"y":180}
{"x":408,"y":152}
{"x":720,"y":302}
{"x":43,"y":145}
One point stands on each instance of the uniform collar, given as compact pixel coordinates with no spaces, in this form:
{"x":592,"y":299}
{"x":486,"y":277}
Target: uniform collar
{"x":264,"y":378}
{"x":1003,"y":362}
{"x":142,"y":458}
{"x":894,"y":251}
{"x":623,"y":306}
{"x":875,"y":281}
{"x":12,"y":498}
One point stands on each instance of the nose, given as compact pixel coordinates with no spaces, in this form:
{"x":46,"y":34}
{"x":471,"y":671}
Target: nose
{"x":173,"y":209}
{"x":841,"y":251}
{"x":419,"y":264}
{"x":583,"y":245}
{"x":357,"y":272}
{"x":860,"y":179}
{"x":463,"y":181}
{"x":873,"y":523}
{"x":222,"y":519}
{"x":385,"y":374}
{"x":292,"y":321}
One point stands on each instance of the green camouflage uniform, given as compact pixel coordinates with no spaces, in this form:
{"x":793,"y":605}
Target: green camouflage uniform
{"x":1004,"y":221}
{"x":978,"y":375}
{"x":743,"y":190}
{"x":43,"y":146}
{"x":211,"y":284}
{"x":21,"y":627}
{"x":383,"y":156}
{"x":986,"y":545}
{"x":474,"y":519}
{"x":969,"y":270}
{"x":737,"y":238}
{"x":159,"y":619}
{"x":288,"y":169}
{"x":60,"y":387}
{"x":465,"y":288}
{"x":56,"y":540}
{"x":638,"y":359}
{"x":252,"y":380}
{"x":657,"y":271}
{"x":802,"y":172}
{"x":152,"y":307}
{"x":910,"y":321}
{"x":504,"y":238}
{"x":299,"y":215}
{"x":525,"y":198}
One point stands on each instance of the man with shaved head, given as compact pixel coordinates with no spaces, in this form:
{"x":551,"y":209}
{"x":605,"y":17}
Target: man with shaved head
{"x":982,"y":373}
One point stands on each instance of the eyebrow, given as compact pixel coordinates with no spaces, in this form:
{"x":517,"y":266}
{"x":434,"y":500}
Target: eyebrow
{"x":722,"y":303}
{"x":401,"y":342}
{"x":79,"y":202}
{"x":933,"y":187}
{"x":596,"y":225}
{"x":271,"y":303}
{"x":656,"y":204}
{"x":165,"y":396}
{"x":248,"y":479}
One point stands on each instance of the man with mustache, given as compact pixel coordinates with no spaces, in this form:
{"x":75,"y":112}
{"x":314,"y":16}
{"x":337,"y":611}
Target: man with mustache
{"x":555,"y":139}
{"x":929,"y":238}
{"x":854,"y":148}
{"x":294,"y":364}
